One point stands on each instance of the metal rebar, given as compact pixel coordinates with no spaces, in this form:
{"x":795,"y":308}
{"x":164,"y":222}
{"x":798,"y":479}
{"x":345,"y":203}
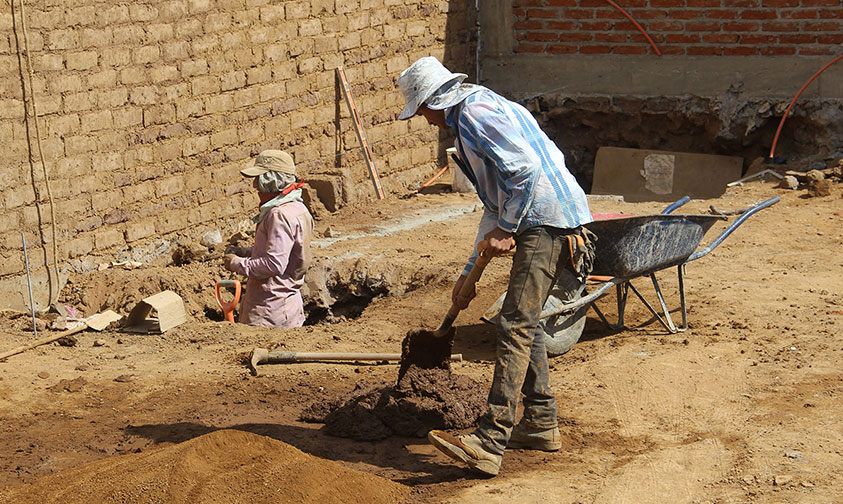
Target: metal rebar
{"x":29,"y":284}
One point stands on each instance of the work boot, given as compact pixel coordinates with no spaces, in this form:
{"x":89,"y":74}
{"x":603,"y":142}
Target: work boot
{"x":535,"y":438}
{"x":466,"y":448}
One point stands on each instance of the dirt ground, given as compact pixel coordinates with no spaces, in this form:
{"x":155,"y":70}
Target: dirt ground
{"x":742,"y":407}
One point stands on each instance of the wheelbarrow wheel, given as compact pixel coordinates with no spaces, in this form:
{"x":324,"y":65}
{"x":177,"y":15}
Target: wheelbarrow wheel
{"x":560,"y":332}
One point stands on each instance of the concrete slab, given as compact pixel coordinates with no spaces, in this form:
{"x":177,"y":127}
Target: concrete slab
{"x":653,"y":175}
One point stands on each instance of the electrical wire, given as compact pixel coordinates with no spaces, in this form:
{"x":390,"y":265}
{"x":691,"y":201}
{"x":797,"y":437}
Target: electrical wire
{"x":793,"y":101}
{"x":52,"y":282}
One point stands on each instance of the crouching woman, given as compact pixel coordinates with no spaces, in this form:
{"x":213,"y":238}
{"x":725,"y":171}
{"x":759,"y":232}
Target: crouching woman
{"x":276,"y":264}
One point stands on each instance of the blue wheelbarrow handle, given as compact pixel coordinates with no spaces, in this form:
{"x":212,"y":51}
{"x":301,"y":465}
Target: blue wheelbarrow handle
{"x":726,"y":232}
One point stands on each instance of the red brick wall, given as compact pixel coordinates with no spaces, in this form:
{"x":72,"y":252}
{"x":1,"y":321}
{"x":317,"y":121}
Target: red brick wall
{"x":680,"y":27}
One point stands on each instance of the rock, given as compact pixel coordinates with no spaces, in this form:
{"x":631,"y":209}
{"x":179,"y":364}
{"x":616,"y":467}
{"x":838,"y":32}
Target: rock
{"x":43,"y":375}
{"x":782,"y":479}
{"x":814,"y":176}
{"x":99,"y":342}
{"x":124,"y":378}
{"x":819,"y":188}
{"x":330,"y":232}
{"x":67,"y":341}
{"x":789,"y":182}
{"x":211,"y":238}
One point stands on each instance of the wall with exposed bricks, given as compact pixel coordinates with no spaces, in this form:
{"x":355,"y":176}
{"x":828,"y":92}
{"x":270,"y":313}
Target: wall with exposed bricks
{"x":679,"y":27}
{"x":147,"y":109}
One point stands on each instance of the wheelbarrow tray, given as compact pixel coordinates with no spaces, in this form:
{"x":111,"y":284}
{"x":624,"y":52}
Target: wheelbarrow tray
{"x":631,"y":246}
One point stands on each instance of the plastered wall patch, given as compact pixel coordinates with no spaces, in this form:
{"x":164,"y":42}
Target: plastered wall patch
{"x":658,"y":173}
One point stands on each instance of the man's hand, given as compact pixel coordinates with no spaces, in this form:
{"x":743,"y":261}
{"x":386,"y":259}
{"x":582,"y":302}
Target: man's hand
{"x":226,"y":261}
{"x":500,"y":242}
{"x":461,"y":302}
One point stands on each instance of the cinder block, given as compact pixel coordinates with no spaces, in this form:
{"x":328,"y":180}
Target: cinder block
{"x":205,"y":85}
{"x":127,"y":116}
{"x":81,"y":60}
{"x":143,"y":95}
{"x":233,"y":80}
{"x":139,"y":230}
{"x":76,"y":247}
{"x":106,"y":238}
{"x":310,"y":27}
{"x":193,"y":146}
{"x":62,"y":124}
{"x":79,"y":145}
{"x":164,"y":73}
{"x":66,"y":84}
{"x":115,"y":57}
{"x":223,"y":138}
{"x":246,"y":97}
{"x":96,"y":121}
{"x":102,"y":80}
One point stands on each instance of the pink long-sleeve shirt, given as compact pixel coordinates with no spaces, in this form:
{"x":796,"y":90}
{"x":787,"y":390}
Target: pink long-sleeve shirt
{"x":276,"y":268}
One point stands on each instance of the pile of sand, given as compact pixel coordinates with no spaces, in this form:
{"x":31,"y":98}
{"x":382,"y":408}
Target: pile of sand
{"x":226,"y":466}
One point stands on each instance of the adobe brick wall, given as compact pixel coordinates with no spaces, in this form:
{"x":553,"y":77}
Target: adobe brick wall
{"x":148,"y":108}
{"x":680,"y":27}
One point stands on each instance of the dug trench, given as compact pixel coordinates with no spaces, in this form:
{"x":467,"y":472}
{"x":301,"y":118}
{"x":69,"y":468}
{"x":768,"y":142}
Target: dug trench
{"x":741,"y":407}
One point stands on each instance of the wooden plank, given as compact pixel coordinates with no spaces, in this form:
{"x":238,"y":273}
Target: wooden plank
{"x":361,"y":135}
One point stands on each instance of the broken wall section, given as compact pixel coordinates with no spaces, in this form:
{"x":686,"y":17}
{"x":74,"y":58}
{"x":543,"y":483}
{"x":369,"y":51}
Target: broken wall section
{"x":147,"y":110}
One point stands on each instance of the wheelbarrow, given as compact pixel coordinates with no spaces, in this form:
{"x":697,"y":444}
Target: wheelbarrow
{"x":628,"y":248}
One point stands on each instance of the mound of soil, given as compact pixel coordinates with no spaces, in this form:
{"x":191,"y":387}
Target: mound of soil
{"x":427,"y":396}
{"x":223,"y":466}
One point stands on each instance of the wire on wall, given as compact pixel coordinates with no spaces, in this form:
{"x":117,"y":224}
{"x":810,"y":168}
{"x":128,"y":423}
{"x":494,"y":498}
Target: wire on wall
{"x":29,"y":99}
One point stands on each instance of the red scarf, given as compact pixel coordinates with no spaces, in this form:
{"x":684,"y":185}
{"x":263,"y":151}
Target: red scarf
{"x":292,"y":187}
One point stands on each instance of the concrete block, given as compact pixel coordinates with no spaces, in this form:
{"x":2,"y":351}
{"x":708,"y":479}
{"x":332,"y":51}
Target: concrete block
{"x":205,"y":85}
{"x":139,"y":230}
{"x":82,"y":60}
{"x":106,"y":238}
{"x":96,"y":121}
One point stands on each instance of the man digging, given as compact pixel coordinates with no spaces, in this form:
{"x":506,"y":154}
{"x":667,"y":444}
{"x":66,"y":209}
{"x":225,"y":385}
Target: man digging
{"x":528,"y":196}
{"x":276,"y":265}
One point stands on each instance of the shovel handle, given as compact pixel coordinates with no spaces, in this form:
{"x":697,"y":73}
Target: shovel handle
{"x":228,"y":308}
{"x":467,"y":287}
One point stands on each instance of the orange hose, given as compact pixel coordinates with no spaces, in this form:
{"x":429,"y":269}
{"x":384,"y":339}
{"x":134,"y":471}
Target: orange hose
{"x":432,"y":180}
{"x":793,"y":101}
{"x":637,"y":25}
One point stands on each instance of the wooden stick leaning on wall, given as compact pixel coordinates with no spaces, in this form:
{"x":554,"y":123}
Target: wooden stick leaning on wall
{"x":361,"y":135}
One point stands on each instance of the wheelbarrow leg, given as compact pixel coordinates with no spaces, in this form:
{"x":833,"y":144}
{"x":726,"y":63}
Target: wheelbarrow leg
{"x":623,"y":291}
{"x":681,"y":273}
{"x":665,"y":321}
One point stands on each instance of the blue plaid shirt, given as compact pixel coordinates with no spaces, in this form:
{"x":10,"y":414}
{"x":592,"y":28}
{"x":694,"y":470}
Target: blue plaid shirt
{"x":519,"y":172}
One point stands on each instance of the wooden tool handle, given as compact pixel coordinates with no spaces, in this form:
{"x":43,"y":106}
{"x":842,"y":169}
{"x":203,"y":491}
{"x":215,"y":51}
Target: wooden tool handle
{"x":43,"y":341}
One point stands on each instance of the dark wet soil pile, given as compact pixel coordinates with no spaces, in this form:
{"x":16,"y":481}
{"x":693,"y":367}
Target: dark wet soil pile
{"x":227,"y":466}
{"x":427,"y":396}
{"x":424,"y":399}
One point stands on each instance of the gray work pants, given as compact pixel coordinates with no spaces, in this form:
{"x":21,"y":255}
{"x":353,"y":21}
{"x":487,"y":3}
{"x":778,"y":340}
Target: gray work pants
{"x":521,"y":365}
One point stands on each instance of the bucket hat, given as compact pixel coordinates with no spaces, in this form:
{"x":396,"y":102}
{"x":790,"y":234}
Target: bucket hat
{"x":270,"y":160}
{"x":421,"y":80}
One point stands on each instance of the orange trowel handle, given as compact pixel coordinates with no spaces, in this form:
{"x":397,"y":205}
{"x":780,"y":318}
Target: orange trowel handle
{"x":228,"y":308}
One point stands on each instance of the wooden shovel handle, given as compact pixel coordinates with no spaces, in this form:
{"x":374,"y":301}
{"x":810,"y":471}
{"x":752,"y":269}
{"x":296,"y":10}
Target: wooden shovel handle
{"x":43,"y":341}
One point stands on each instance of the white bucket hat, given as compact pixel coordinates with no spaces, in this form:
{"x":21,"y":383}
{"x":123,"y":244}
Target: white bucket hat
{"x":421,"y":80}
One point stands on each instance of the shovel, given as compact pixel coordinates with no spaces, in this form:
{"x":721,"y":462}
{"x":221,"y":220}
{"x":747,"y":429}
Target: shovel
{"x":96,"y":322}
{"x":432,"y":349}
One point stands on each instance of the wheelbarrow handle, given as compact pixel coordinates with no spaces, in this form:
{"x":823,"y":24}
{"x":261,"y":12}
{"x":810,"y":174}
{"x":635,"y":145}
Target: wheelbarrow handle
{"x":726,"y":232}
{"x":676,"y":204}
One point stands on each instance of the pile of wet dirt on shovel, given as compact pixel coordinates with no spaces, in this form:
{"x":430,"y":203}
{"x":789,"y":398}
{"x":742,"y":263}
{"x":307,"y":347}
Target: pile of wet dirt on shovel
{"x":427,"y":396}
{"x":226,"y":466}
